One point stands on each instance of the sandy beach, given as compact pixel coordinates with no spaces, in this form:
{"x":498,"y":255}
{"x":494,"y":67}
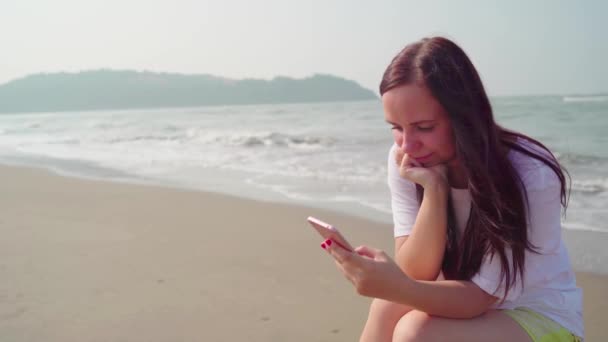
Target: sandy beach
{"x":88,"y":260}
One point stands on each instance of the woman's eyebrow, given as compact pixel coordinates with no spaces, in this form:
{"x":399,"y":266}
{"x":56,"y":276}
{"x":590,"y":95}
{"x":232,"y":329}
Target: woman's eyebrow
{"x":421,"y":121}
{"x":413,"y":123}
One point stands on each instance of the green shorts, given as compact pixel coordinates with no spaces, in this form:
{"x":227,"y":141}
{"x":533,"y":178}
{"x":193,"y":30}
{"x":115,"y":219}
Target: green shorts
{"x":541,"y":328}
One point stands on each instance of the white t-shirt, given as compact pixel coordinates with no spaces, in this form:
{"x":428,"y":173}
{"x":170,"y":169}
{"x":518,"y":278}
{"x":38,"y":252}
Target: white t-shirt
{"x":549,"y":281}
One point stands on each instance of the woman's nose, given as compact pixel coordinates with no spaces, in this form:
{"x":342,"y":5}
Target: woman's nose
{"x":409,"y":143}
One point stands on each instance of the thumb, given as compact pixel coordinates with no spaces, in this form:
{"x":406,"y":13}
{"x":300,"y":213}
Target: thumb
{"x":370,"y":252}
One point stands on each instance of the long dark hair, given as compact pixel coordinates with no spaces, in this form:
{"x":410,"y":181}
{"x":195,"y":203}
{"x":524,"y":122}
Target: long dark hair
{"x":498,"y":219}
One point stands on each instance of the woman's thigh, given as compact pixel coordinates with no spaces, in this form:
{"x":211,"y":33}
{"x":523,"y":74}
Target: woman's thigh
{"x":491,"y":326}
{"x":381,"y":321}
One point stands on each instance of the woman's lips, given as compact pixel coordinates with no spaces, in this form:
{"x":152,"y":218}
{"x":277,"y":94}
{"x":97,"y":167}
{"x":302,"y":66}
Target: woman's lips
{"x":423,"y":158}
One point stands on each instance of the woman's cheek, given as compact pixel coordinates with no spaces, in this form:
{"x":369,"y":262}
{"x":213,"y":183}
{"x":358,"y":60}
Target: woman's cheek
{"x":398,"y":137}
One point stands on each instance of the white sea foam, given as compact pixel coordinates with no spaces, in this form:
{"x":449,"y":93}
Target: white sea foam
{"x":591,"y":186}
{"x":594,"y":98}
{"x":584,"y":227}
{"x":321,"y":153}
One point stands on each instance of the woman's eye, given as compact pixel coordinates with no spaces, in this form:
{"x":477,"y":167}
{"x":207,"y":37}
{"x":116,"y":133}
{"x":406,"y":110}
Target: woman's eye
{"x":396,"y":128}
{"x":426,"y":129}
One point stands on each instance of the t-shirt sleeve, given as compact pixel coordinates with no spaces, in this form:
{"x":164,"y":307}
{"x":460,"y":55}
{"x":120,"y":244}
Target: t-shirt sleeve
{"x":404,"y":202}
{"x":488,"y":278}
{"x":544,"y":232}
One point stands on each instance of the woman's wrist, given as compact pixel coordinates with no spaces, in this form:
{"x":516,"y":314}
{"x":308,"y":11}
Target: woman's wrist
{"x":403,"y":293}
{"x":438,"y":187}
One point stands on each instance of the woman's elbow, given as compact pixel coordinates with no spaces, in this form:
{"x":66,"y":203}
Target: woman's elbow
{"x":420,"y":273}
{"x":481,"y":305}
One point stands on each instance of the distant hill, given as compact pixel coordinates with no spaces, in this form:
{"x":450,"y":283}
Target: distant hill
{"x":110,"y":89}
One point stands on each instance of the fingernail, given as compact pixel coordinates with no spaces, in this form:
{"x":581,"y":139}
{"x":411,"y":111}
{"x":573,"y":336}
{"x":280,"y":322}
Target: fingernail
{"x":323,"y":245}
{"x":329,"y":242}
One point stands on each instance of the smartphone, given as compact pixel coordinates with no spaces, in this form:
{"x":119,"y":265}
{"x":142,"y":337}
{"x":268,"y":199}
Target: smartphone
{"x":328,"y":231}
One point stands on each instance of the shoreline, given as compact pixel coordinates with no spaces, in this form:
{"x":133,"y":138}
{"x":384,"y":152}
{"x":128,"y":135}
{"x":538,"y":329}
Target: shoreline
{"x":586,"y":248}
{"x":112,"y":261}
{"x":247,"y":190}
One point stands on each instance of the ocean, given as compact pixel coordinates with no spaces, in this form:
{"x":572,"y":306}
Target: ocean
{"x":329,"y":155}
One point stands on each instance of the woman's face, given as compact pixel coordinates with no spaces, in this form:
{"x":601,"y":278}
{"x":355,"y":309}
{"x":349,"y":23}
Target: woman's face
{"x":420,"y":125}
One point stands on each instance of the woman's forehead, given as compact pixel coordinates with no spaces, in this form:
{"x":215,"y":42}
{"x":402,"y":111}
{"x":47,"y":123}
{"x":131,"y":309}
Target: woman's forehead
{"x":412,"y":103}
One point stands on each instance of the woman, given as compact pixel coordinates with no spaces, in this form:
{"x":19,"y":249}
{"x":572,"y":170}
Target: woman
{"x":476,"y":209}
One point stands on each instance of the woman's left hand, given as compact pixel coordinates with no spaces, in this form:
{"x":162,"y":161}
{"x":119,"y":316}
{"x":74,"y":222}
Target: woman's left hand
{"x":372,"y":272}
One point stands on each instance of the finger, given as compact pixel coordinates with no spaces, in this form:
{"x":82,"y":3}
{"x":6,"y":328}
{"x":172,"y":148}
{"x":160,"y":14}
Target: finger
{"x":405,"y":168}
{"x":413,"y":161}
{"x":340,"y":254}
{"x":343,"y":270}
{"x":373,"y":253}
{"x":349,"y":276}
{"x":369,"y":252}
{"x":365,"y":251}
{"x":407,"y":162}
{"x":399,"y":155}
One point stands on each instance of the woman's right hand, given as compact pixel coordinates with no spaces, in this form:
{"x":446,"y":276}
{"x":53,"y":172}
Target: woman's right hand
{"x":410,"y":169}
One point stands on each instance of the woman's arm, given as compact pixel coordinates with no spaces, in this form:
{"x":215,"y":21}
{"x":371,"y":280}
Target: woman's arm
{"x":376,"y":275}
{"x":446,"y":298}
{"x":420,"y":254}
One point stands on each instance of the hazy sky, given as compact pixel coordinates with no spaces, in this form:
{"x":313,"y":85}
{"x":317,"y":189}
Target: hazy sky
{"x":519,"y":47}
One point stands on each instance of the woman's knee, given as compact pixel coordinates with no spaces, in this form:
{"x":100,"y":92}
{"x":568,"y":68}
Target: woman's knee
{"x":414,"y":326}
{"x":383,"y":316}
{"x":386,"y":310}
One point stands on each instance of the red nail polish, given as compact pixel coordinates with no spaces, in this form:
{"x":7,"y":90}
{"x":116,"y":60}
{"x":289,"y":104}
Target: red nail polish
{"x":329,"y":242}
{"x":323,"y":245}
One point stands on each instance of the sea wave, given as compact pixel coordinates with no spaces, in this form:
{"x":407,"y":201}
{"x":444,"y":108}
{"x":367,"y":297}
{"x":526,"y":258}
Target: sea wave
{"x":65,"y":141}
{"x":590,"y":186}
{"x":33,"y":125}
{"x":282,"y":140}
{"x":268,"y":139}
{"x":581,"y":226}
{"x":139,"y":138}
{"x":594,"y":98}
{"x":580,"y":159}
